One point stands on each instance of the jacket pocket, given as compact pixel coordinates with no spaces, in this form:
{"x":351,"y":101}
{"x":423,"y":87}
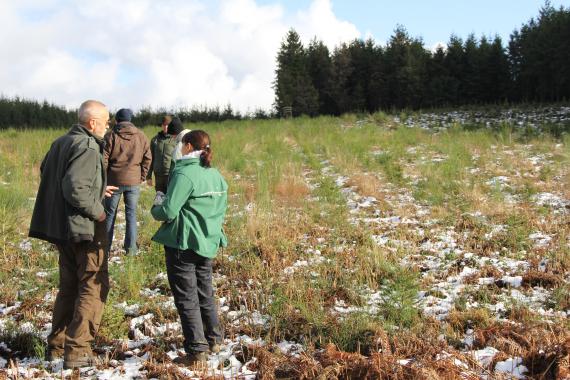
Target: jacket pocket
{"x":95,"y":260}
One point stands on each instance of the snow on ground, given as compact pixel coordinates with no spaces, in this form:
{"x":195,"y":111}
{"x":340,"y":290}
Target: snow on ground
{"x":446,"y":262}
{"x":441,"y":250}
{"x":450,"y":271}
{"x":533,"y":119}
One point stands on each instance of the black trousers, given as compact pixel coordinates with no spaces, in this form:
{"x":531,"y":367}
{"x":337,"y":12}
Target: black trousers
{"x":161,"y":183}
{"x":190,"y":279}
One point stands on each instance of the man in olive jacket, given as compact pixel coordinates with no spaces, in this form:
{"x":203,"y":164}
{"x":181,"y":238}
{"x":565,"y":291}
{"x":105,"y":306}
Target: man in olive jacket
{"x":69,"y":213}
{"x":161,"y":147}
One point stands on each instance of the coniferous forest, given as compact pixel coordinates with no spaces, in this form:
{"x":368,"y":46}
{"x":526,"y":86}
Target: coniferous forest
{"x":363,"y":76}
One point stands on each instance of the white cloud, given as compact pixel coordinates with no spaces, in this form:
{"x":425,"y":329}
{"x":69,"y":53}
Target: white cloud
{"x":438,"y":45}
{"x":320,"y":21}
{"x":160,"y":53}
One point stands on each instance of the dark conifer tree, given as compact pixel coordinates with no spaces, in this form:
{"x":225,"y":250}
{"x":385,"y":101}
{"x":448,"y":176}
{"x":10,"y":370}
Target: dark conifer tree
{"x":439,"y":82}
{"x":455,"y":67}
{"x":319,"y":66}
{"x":340,"y":80}
{"x":406,"y":69}
{"x":293,"y":85}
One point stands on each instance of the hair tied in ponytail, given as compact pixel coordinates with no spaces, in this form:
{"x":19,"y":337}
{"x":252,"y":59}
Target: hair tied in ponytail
{"x":200,"y":141}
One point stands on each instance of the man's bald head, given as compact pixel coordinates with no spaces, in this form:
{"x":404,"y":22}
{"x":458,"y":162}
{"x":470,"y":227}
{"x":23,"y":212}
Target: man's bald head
{"x":91,"y":109}
{"x":94,"y":116}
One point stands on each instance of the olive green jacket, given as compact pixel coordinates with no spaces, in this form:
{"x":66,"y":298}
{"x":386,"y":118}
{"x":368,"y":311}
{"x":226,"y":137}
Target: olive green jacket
{"x":193,"y":210}
{"x":72,"y":188}
{"x":161,"y":147}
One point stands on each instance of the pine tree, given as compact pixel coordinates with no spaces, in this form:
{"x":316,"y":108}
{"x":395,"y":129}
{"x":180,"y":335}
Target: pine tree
{"x":293,"y":86}
{"x":455,"y":67}
{"x":440,"y":82}
{"x":406,"y":69}
{"x":319,"y":66}
{"x":340,"y":82}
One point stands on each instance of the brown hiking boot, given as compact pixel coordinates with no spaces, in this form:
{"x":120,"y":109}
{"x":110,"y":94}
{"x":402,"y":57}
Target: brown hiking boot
{"x":215,"y":348}
{"x":53,"y":354}
{"x":81,"y":361}
{"x":193,"y":359}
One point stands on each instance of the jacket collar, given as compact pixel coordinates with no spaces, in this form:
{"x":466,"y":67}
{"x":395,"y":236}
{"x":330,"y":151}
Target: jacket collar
{"x":123,"y":124}
{"x":188,"y":161}
{"x":78,"y":129}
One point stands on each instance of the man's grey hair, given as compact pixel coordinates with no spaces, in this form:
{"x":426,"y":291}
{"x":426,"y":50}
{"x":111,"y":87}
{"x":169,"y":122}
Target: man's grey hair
{"x":89,"y":109}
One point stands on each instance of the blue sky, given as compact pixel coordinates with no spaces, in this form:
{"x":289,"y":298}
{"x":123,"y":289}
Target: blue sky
{"x":434,"y":20}
{"x":178,"y":53}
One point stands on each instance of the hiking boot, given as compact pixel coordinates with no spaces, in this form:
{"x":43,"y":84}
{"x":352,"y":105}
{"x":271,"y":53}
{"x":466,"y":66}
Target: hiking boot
{"x":131,"y":252}
{"x":215,"y":348}
{"x":81,"y":361}
{"x":192,"y":359}
{"x":53,"y":354}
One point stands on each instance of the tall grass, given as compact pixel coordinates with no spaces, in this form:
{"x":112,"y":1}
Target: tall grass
{"x":275,"y":217}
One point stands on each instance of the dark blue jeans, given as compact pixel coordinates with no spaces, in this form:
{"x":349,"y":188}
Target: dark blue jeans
{"x":190,"y":279}
{"x":131,"y":196}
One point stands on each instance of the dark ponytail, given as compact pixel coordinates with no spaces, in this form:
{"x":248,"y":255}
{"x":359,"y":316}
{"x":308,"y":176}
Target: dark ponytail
{"x":200,"y":141}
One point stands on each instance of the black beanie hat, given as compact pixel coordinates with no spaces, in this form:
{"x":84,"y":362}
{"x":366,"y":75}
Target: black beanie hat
{"x":174,"y":127}
{"x":124,"y":114}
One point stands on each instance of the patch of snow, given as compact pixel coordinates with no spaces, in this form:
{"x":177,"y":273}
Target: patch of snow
{"x":290,"y":348}
{"x":540,"y":240}
{"x":129,"y":310}
{"x":514,"y":281}
{"x":140,"y":320}
{"x":500,"y":181}
{"x":513,"y":367}
{"x":485,"y":356}
{"x":553,"y":201}
{"x":25,"y":245}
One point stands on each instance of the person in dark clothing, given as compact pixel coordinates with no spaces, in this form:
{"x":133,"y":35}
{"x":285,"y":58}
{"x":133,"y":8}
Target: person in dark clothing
{"x":176,"y":130}
{"x":69,"y":213}
{"x":127,"y":158}
{"x":161,"y":147}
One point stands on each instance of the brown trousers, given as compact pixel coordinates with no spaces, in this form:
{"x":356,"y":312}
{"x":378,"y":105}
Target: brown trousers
{"x":83,"y":289}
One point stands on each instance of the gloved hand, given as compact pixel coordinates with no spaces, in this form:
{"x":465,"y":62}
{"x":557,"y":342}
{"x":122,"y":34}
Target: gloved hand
{"x":159,"y":198}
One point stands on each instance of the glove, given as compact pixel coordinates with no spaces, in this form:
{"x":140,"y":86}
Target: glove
{"x":159,"y":198}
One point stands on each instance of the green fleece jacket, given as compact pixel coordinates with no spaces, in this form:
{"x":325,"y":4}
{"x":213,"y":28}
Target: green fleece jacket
{"x":72,"y":188}
{"x":193,"y":210}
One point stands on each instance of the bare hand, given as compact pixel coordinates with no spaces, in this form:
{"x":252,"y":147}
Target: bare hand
{"x":102,"y":217}
{"x":109,"y":190}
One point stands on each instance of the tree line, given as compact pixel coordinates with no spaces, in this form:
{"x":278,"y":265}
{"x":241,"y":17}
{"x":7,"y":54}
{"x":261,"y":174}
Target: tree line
{"x":362,"y":76}
{"x":27,"y":113}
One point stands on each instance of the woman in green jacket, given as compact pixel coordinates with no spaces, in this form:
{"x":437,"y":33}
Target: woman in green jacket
{"x":193,"y":211}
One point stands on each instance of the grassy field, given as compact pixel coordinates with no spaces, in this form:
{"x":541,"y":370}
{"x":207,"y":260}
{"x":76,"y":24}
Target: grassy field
{"x":359,"y":247}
